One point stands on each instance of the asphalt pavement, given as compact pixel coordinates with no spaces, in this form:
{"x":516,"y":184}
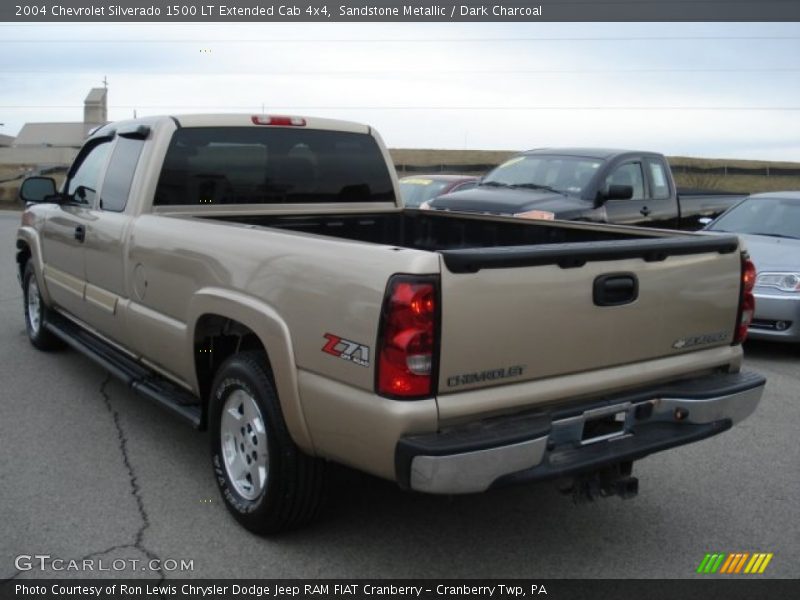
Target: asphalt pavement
{"x":89,"y":471}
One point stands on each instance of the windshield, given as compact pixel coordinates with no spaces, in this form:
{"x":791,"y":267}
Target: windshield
{"x":416,"y":190}
{"x":762,"y":216}
{"x":565,"y":174}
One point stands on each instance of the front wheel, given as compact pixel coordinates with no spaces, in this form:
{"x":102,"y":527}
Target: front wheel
{"x":36,"y":313}
{"x":267,"y":482}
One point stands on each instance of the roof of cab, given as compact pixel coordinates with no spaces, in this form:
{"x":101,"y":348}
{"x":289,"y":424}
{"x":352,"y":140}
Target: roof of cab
{"x":787,"y":195}
{"x":231,"y":120}
{"x":599,"y":153}
{"x":246,"y":120}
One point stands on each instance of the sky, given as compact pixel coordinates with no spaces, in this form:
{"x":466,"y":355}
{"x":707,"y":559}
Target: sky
{"x":692,"y":89}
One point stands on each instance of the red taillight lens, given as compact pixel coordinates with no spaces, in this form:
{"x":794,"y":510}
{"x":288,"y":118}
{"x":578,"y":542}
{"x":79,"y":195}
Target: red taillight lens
{"x":277,"y":120}
{"x":747,"y":302}
{"x":407,"y":344}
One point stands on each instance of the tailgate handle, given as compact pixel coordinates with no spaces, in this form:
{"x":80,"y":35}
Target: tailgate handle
{"x":615,"y":289}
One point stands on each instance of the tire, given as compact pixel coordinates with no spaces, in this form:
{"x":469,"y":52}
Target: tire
{"x":267,"y":492}
{"x":36,"y":313}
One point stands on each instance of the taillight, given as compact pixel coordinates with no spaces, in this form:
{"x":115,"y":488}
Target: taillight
{"x":747,"y":302}
{"x":407,"y":342}
{"x":277,"y":120}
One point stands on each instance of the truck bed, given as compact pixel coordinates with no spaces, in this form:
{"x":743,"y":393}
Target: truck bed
{"x":423,"y":230}
{"x":471,"y":243}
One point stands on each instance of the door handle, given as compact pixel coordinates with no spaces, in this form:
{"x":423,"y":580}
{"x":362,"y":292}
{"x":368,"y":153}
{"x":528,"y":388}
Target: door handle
{"x":615,"y":289}
{"x":645,"y":211}
{"x":80,"y":233}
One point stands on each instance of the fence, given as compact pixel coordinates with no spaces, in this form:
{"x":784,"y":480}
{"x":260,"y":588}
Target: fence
{"x":724,"y":170}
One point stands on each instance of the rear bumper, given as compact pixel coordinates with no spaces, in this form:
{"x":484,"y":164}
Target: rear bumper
{"x":580,"y":439}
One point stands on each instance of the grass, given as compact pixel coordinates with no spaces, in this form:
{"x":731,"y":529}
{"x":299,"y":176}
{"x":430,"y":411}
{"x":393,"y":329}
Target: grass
{"x":449,"y":157}
{"x":744,"y":184}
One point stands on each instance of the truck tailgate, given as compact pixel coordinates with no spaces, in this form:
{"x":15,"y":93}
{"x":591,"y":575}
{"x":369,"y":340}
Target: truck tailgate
{"x":518,"y":314}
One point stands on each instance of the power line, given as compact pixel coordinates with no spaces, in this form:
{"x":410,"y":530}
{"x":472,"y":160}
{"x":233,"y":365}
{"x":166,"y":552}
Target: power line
{"x":395,"y":73}
{"x":503,"y":40}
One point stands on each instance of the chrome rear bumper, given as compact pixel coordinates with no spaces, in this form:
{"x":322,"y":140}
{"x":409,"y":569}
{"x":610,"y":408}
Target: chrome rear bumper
{"x":533,"y":446}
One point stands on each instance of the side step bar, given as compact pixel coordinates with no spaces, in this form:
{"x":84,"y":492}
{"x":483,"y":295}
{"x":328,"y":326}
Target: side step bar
{"x":145,"y":382}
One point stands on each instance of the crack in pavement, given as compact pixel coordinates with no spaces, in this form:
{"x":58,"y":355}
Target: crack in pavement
{"x":138,"y":541}
{"x":136,"y":490}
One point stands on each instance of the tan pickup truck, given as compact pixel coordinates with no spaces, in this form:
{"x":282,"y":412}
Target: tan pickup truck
{"x":258,"y":276}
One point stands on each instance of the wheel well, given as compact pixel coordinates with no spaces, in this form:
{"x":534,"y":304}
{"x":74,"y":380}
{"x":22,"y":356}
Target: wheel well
{"x":216,"y":338}
{"x":23,"y":256}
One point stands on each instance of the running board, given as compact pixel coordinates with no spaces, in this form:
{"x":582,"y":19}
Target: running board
{"x":142,"y":380}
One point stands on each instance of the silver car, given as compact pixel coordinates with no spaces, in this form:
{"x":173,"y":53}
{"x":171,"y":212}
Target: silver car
{"x":769,"y":224}
{"x":418,"y":190}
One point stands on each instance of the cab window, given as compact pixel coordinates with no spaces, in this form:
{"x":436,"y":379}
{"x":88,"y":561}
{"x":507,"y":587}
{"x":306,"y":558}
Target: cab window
{"x":119,"y":175}
{"x":84,"y":181}
{"x":659,"y":183}
{"x":628,"y":174}
{"x":272,"y":165}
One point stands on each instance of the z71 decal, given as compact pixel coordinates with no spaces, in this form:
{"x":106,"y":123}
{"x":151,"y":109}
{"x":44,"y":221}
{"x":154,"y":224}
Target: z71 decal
{"x":347,"y":350}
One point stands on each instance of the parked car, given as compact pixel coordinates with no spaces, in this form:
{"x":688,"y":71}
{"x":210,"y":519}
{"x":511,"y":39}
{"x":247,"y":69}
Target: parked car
{"x":417,"y":189}
{"x":589,"y":184}
{"x":770,"y":226}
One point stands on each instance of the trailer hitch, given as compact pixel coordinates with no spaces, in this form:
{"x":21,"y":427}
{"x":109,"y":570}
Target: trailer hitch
{"x":615,"y":480}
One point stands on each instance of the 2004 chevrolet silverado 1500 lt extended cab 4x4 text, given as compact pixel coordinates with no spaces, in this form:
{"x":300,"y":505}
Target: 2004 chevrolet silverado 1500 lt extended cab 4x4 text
{"x":624,"y":187}
{"x":259,"y":277}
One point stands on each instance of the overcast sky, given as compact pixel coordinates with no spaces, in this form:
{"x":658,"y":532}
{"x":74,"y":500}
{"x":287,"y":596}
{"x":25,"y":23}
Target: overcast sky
{"x":698,"y":89}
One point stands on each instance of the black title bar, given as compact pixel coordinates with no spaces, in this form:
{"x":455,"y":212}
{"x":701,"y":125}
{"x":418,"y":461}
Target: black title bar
{"x":164,"y":11}
{"x":734,"y":588}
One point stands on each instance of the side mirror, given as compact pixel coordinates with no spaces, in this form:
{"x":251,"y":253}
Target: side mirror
{"x":38,"y":189}
{"x":619,"y":192}
{"x":613,"y":192}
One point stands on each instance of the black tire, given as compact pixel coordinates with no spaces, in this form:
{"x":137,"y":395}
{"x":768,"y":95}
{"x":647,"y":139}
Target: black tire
{"x":36,"y":313}
{"x":292,"y":491}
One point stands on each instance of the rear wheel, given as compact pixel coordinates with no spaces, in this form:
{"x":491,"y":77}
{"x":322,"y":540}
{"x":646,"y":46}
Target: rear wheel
{"x":36,"y":313}
{"x":267,"y":482}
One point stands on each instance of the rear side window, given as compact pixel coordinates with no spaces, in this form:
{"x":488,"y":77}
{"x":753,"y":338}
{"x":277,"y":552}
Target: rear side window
{"x":119,"y":175}
{"x":658,"y":179}
{"x":249,"y":165}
